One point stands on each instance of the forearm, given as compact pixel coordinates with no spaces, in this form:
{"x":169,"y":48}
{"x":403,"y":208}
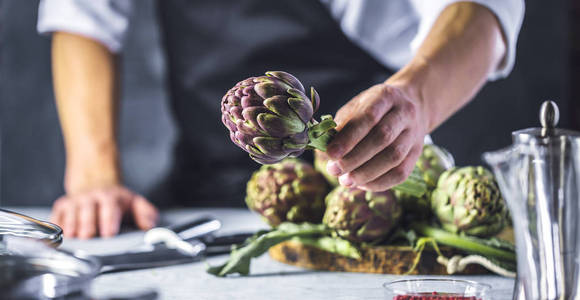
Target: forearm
{"x":85,"y":91}
{"x":464,"y":45}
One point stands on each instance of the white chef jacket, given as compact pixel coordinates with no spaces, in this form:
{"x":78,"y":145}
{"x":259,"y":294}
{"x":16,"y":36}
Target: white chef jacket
{"x":389,"y":30}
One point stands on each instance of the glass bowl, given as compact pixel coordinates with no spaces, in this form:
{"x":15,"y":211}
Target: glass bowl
{"x":436,"y":288}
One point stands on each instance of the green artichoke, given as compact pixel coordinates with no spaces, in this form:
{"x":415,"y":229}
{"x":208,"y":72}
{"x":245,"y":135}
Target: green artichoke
{"x":271,"y":118}
{"x":432,"y":162}
{"x":468,"y":200}
{"x":290,"y":190}
{"x":361,"y":216}
{"x":320,"y":161}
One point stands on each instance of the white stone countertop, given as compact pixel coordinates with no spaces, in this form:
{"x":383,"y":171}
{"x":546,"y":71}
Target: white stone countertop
{"x":269,"y":279}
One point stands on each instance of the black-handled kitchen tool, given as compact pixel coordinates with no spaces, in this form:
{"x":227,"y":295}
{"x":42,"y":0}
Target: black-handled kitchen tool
{"x":168,"y":254}
{"x":164,"y":246}
{"x":216,"y":245}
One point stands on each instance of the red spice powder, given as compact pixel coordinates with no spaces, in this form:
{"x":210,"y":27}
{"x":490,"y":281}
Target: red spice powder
{"x":434,"y":296}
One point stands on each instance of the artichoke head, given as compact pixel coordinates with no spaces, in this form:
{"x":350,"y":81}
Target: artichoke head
{"x":468,"y":200}
{"x":270,"y":117}
{"x":290,"y":190}
{"x":432,"y":162}
{"x":361,"y":216}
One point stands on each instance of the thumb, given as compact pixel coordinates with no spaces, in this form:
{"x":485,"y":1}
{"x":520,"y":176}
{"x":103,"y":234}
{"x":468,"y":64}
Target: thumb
{"x":144,"y":213}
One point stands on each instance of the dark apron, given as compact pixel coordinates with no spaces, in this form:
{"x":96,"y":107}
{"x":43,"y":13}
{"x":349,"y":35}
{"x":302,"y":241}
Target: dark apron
{"x":211,"y":45}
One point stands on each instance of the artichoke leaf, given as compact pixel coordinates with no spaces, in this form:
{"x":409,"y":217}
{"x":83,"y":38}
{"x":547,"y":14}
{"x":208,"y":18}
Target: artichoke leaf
{"x":270,"y":89}
{"x":269,"y":145}
{"x":280,"y":127}
{"x":279,"y":105}
{"x":315,"y":98}
{"x":239,"y":260}
{"x":414,"y":185}
{"x":287,"y":78}
{"x":301,"y":108}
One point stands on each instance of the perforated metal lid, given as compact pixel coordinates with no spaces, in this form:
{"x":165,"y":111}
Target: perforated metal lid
{"x":548,"y":133}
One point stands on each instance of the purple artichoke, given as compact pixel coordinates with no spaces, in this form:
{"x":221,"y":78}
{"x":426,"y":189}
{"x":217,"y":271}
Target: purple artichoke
{"x":361,"y":216}
{"x":290,"y":190}
{"x":270,"y":117}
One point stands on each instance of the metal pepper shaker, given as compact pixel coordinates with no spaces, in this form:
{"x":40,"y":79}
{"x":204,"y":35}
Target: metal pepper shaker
{"x":539,"y":176}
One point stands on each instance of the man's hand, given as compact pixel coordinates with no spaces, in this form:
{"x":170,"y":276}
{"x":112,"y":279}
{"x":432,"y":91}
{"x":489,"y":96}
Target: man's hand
{"x":380,"y":137}
{"x":100,"y":211}
{"x":381,"y":130}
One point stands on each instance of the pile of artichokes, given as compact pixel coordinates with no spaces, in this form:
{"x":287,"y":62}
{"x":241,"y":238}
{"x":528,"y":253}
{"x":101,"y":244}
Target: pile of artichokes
{"x":462,"y":200}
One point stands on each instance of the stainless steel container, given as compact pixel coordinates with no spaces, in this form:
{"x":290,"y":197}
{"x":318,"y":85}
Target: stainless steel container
{"x":539,"y":176}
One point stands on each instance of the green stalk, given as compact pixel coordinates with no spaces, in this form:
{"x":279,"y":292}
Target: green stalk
{"x":465,"y":243}
{"x":321,"y":133}
{"x":331,"y":244}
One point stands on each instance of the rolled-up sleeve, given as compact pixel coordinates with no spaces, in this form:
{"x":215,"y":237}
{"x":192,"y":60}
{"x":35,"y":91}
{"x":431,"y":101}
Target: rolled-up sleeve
{"x":510,"y":14}
{"x":105,"y":21}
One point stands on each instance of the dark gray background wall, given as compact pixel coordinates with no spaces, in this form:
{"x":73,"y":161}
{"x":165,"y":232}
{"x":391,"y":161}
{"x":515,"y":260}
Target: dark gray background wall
{"x":31,"y":150}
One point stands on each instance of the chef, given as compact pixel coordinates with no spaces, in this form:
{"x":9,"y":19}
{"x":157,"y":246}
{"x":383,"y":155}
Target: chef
{"x":393,"y":70}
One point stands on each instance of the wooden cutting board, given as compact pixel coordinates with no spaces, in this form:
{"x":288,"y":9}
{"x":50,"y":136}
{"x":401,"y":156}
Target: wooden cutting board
{"x":380,"y":259}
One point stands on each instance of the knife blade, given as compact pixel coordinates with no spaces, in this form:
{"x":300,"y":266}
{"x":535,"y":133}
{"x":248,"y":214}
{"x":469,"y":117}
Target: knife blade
{"x":165,"y":256}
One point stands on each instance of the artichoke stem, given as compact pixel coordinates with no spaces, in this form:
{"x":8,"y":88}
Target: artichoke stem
{"x":462,"y":242}
{"x":321,"y":133}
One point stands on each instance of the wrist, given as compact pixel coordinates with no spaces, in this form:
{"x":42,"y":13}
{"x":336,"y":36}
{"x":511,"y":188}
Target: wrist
{"x":412,"y":80}
{"x":92,"y":168}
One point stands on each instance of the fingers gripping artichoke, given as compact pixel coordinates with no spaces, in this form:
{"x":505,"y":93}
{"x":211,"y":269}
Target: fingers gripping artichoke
{"x":432,"y":162}
{"x":468,"y":200}
{"x":287,"y":191}
{"x":361,"y":216}
{"x":270,"y":117}
{"x":320,"y":161}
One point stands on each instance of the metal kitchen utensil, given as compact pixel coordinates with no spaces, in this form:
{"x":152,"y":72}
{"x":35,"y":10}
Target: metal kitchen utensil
{"x":15,"y":224}
{"x":539,"y":176}
{"x":34,"y":271}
